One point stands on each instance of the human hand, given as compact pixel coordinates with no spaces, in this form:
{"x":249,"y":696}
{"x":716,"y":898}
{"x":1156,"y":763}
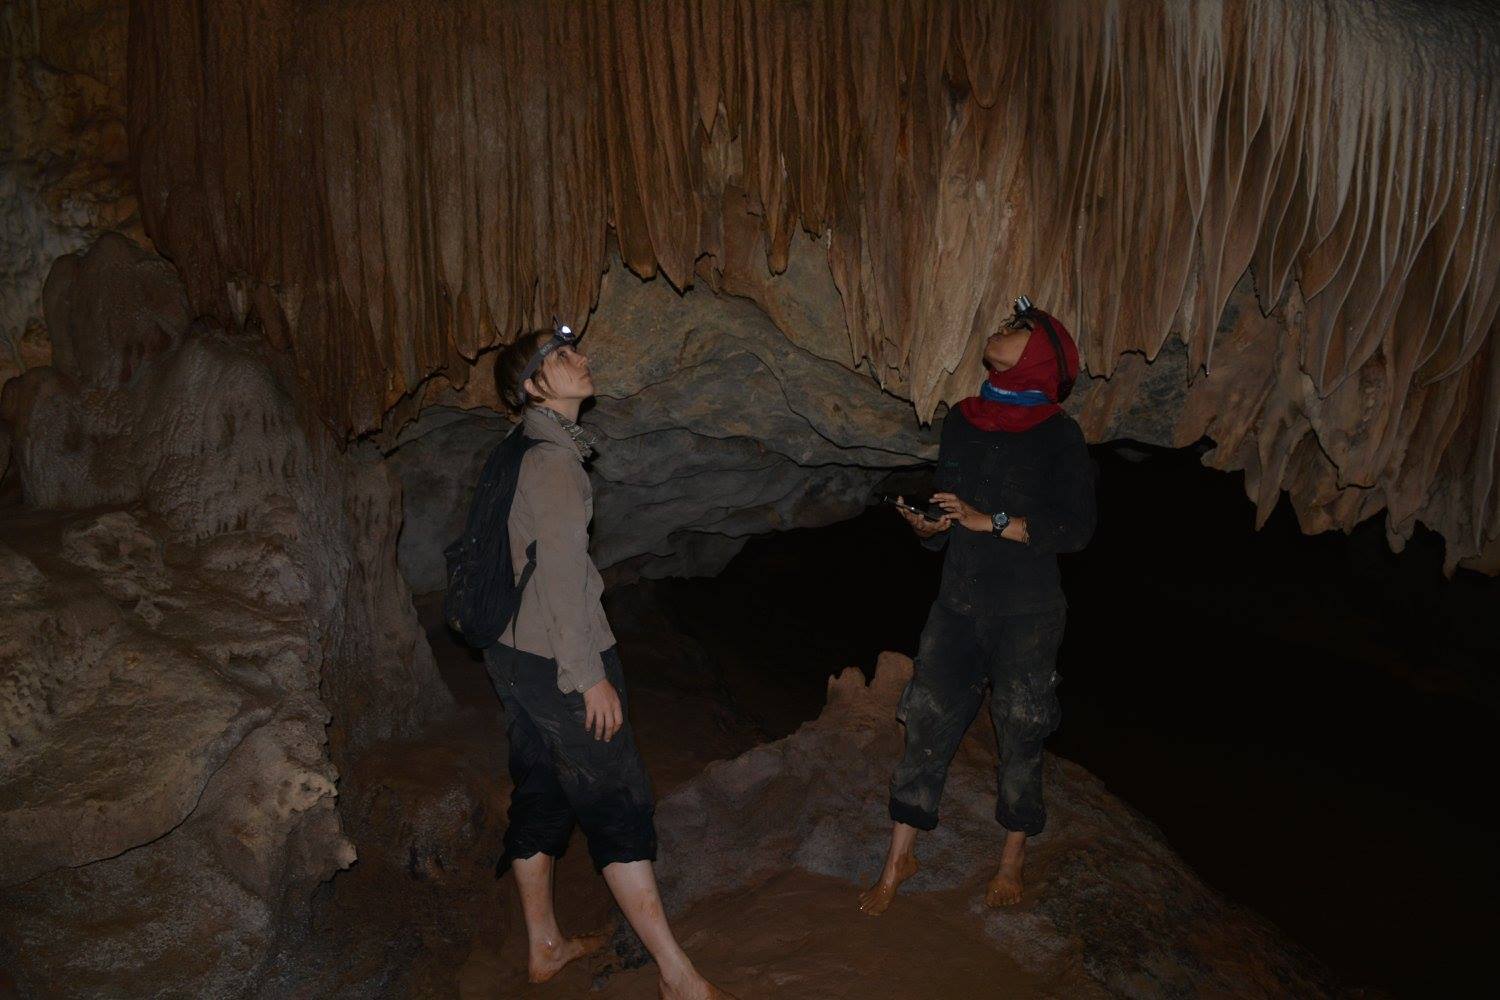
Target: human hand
{"x":602,"y":713}
{"x":919,"y":524}
{"x":961,"y":513}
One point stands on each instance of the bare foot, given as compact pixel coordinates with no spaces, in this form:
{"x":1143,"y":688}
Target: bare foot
{"x":548,"y":960}
{"x":700,"y":989}
{"x":874,"y":900}
{"x":1005,"y":887}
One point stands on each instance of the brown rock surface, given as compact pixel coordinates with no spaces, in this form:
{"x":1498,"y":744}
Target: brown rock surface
{"x":197,"y":584}
{"x":64,"y":173}
{"x":165,"y":776}
{"x":1109,"y":908}
{"x":205,"y":437}
{"x":715,"y":426}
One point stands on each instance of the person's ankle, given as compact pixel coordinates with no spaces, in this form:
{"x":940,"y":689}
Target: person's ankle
{"x":679,"y":976}
{"x":547,"y":945}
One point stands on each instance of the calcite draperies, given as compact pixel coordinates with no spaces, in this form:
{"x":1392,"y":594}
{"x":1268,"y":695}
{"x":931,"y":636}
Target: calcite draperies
{"x":389,"y":187}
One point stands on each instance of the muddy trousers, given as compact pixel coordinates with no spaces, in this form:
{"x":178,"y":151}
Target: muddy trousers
{"x":958,"y":657}
{"x":562,"y":774}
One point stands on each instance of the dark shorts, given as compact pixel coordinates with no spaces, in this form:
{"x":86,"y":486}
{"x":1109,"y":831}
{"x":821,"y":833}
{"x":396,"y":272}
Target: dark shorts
{"x":562,"y":774}
{"x":1015,"y":656}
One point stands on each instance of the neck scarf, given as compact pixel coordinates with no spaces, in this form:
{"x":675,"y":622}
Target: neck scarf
{"x":1022,"y":397}
{"x":583,"y":440}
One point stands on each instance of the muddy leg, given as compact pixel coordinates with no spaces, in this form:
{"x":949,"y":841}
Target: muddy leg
{"x":1024,"y":708}
{"x":634,"y":886}
{"x":1005,"y":888}
{"x":547,"y":950}
{"x":900,"y":865}
{"x":937,"y":707}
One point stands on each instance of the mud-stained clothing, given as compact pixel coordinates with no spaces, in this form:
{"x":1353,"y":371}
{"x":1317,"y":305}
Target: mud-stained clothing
{"x":1044,"y":475}
{"x":561,"y":773}
{"x":1015,"y":656}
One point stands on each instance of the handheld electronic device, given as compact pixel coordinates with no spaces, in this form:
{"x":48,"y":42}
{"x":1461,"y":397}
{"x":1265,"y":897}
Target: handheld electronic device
{"x":927,"y":511}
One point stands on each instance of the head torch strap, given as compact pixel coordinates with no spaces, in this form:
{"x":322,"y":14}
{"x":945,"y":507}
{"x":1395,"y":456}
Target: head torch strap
{"x":561,"y":335}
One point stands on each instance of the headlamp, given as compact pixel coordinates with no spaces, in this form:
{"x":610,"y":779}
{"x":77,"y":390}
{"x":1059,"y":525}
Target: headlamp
{"x":561,"y":336}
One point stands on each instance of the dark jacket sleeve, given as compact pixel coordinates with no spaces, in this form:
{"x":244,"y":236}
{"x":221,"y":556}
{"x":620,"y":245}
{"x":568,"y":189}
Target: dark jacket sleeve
{"x":1067,"y":522}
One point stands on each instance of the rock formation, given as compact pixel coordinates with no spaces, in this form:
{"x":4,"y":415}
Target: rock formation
{"x":198,"y":584}
{"x":64,"y":163}
{"x":1108,"y":903}
{"x":390,"y":188}
{"x":1272,"y":223}
{"x":715,"y":426}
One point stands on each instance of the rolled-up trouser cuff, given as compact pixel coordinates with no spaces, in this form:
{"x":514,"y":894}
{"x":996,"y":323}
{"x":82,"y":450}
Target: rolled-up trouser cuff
{"x":521,"y":853}
{"x":623,"y":855}
{"x":912,"y":816}
{"x":1029,"y":825}
{"x":538,"y":832}
{"x":621,"y":834}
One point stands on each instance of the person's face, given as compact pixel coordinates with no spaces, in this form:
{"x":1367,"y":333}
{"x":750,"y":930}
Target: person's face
{"x":567,"y":375}
{"x":1004,"y":349}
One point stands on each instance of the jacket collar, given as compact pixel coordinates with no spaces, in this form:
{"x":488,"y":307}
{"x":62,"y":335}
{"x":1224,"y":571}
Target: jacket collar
{"x":546,"y":424}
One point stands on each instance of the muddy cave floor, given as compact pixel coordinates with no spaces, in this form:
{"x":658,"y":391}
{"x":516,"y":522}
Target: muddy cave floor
{"x":405,"y":927}
{"x":1325,"y":769}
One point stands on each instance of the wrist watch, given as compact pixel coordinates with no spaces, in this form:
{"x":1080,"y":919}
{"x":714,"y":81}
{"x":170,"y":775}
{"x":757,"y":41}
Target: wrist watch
{"x":999,"y":521}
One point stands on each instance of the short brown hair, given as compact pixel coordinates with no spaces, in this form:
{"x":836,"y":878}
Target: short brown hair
{"x":513,"y":359}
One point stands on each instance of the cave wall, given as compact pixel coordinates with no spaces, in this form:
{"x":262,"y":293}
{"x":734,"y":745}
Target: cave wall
{"x":388,"y":189}
{"x":64,"y":161}
{"x":714,"y":426}
{"x":202,"y":621}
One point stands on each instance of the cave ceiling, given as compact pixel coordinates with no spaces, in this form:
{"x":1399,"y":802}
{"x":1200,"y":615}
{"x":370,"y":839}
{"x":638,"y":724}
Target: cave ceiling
{"x":387,"y":189}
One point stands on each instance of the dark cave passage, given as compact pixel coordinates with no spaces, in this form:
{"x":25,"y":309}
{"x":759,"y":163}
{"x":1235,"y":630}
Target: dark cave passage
{"x":1306,"y":719}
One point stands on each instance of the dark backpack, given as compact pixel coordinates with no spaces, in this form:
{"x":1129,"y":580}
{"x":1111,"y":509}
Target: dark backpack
{"x":483,"y":592}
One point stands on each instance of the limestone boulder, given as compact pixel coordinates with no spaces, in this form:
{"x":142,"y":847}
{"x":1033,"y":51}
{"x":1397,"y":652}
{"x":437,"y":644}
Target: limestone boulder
{"x":163,"y":762}
{"x":718,"y":366}
{"x":715,"y":427}
{"x":1109,"y":901}
{"x":206,"y":436}
{"x":201,"y":619}
{"x":438,"y":458}
{"x":110,"y":309}
{"x":64,"y":155}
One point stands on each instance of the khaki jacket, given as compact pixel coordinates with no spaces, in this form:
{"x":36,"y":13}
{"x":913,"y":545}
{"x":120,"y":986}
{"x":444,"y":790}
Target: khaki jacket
{"x":560,"y":616}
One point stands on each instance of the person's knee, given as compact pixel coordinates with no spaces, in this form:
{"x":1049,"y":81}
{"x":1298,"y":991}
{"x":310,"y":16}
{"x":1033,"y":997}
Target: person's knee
{"x":1028,"y":713}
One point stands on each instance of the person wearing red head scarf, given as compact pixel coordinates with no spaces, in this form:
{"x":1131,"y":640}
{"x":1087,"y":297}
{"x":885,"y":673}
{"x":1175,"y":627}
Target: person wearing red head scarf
{"x":1022,"y":392}
{"x":1015,"y":485}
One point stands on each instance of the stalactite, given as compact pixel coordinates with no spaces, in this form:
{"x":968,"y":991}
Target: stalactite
{"x":389,"y":188}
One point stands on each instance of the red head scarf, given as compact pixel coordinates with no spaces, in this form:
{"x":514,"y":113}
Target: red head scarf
{"x":1036,"y":370}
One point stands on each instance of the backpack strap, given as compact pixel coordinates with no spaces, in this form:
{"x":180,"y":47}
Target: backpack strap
{"x":514,"y":625}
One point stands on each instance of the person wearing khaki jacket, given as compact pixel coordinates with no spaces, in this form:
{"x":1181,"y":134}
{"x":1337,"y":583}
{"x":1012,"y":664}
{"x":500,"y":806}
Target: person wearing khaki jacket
{"x":561,"y":616}
{"x":573,"y":757}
